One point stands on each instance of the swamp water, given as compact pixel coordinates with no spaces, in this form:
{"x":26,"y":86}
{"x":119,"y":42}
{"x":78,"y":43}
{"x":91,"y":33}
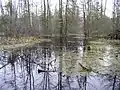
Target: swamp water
{"x":40,"y":67}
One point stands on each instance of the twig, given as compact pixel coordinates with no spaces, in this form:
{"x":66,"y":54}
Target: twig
{"x":4,"y":66}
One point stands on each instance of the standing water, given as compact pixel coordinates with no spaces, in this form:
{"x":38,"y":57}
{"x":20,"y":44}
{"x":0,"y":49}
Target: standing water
{"x":37,"y":67}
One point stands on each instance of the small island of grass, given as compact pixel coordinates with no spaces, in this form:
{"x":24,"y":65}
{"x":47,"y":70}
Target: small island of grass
{"x":13,"y":43}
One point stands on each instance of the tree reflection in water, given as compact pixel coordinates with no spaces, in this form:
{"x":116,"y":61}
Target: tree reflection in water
{"x":37,"y":68}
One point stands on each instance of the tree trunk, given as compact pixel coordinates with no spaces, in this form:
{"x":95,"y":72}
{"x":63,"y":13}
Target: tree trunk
{"x":29,"y":19}
{"x":105,"y":7}
{"x":44,"y":14}
{"x":84,"y":26}
{"x":61,"y":46}
{"x":101,"y":8}
{"x":66,"y":22}
{"x":10,"y":32}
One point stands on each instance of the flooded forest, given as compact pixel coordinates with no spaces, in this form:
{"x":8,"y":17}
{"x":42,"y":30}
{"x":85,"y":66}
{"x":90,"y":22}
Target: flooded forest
{"x":59,"y":45}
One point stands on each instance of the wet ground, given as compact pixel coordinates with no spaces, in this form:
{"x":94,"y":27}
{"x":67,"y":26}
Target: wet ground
{"x":45,"y":67}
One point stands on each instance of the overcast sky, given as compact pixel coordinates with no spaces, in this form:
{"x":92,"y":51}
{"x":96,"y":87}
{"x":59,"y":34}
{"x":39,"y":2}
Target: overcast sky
{"x":55,"y":2}
{"x":109,"y":8}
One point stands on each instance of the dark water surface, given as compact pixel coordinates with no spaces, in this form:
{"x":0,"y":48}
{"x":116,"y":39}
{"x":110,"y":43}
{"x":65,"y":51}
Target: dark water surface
{"x":44,"y":67}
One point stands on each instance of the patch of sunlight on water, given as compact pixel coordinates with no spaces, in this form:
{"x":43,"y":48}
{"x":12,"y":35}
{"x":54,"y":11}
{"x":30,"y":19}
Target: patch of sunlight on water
{"x":107,"y":56}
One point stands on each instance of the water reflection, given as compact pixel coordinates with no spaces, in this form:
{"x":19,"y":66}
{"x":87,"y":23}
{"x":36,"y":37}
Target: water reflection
{"x":38,"y":67}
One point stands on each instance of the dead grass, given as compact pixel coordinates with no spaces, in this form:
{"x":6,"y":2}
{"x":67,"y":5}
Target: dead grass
{"x":12,"y":43}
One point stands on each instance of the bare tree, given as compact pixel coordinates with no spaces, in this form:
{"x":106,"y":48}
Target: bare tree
{"x":105,"y":7}
{"x":101,"y":8}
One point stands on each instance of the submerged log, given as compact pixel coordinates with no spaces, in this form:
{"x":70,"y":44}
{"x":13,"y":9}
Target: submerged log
{"x":40,"y":71}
